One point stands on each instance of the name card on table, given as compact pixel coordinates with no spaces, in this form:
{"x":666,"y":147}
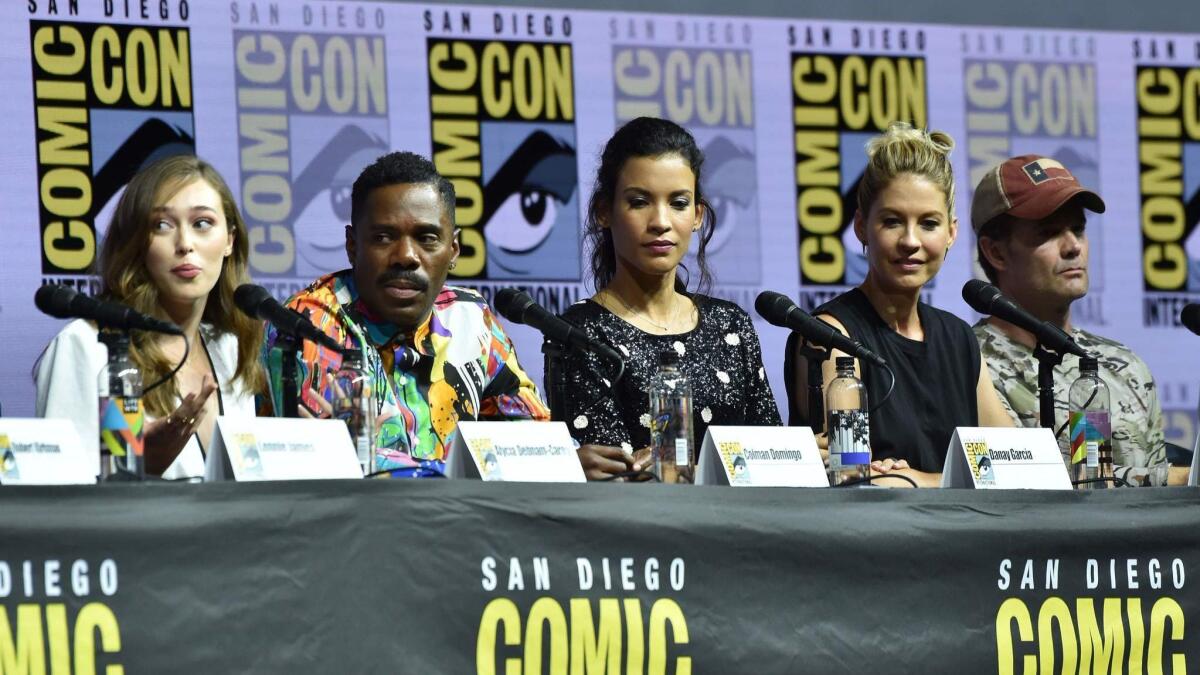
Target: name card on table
{"x":278,"y":448}
{"x":761,"y":456}
{"x":44,"y":452}
{"x":536,"y":452}
{"x":1002,"y":458}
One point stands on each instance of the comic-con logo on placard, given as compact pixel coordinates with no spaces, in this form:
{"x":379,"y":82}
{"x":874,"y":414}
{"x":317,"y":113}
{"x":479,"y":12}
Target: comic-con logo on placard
{"x":1169,"y":164}
{"x":1019,"y":107}
{"x":312,"y":112}
{"x":708,"y":91}
{"x":503,"y":130}
{"x":108,"y":99}
{"x":839,"y":102}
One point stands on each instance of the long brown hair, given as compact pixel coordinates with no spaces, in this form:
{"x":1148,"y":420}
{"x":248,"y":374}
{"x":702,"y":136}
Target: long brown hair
{"x":643,"y":137}
{"x":124,"y":277}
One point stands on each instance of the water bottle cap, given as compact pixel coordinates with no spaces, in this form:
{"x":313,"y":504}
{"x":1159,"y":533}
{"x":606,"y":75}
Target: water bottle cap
{"x":668,"y":358}
{"x":115,"y":340}
{"x":1088,"y":364}
{"x":844,"y":362}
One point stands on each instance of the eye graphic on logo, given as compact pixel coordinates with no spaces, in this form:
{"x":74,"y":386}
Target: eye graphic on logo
{"x":153,"y":140}
{"x":321,"y":194}
{"x":731,"y":187}
{"x":525,"y":195}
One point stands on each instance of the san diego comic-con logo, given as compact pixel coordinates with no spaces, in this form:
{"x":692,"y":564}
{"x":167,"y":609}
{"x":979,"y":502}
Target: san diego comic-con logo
{"x":839,"y":102}
{"x":709,"y":91}
{"x":1017,"y":107}
{"x":108,"y":99}
{"x":312,"y":112}
{"x":1169,"y":186}
{"x":503,"y":131}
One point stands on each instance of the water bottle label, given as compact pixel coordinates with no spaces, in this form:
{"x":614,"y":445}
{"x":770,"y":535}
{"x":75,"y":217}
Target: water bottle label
{"x":681,"y":452}
{"x":122,"y":423}
{"x":1089,"y":431}
{"x":849,"y":439}
{"x":364,"y":453}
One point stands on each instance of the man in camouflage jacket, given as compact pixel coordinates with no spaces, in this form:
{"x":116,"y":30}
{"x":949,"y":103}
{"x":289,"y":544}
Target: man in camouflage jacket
{"x":1028,"y":217}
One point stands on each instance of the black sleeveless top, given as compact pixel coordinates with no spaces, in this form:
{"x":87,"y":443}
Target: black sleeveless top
{"x":935,"y":379}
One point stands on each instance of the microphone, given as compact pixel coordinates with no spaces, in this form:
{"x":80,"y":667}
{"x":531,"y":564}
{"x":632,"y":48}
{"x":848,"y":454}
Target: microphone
{"x":518,"y":307}
{"x":61,"y":302}
{"x":987,"y":299}
{"x":779,"y":310}
{"x":257,"y":302}
{"x":1190,"y":317}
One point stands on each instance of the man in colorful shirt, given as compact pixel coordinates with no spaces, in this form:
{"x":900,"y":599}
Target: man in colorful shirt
{"x":437,"y":354}
{"x":1028,"y":216}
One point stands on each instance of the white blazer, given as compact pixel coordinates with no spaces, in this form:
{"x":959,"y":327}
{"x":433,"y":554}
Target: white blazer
{"x":66,"y":378}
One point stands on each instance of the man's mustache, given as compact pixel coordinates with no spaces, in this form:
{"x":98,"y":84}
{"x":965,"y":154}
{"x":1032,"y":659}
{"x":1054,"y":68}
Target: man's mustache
{"x":410,"y":276}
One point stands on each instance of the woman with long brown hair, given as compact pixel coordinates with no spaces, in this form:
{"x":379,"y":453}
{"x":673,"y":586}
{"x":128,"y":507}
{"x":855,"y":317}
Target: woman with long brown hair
{"x":176,"y":249}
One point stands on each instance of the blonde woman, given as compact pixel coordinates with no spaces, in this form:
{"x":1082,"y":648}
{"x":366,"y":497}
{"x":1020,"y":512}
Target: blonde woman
{"x":176,"y":249}
{"x":905,"y":222}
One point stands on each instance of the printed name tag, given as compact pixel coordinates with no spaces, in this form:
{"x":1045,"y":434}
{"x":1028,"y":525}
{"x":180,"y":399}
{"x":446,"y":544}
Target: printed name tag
{"x":541,"y":452}
{"x":761,"y":456}
{"x":275,"y":448}
{"x":44,"y":452}
{"x":1003,"y":458}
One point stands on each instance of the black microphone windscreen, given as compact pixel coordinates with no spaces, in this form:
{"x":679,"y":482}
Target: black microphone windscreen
{"x":979,"y":295}
{"x":1190,"y":317}
{"x":773,"y":307}
{"x":512,"y":304}
{"x":249,"y":298}
{"x":54,"y":300}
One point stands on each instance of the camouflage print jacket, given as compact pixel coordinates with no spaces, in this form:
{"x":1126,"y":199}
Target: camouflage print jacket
{"x":1139,"y":450}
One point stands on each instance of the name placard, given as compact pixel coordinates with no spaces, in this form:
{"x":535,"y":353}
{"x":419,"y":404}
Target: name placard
{"x":1005,"y":459}
{"x":44,"y":452}
{"x":761,"y":456}
{"x":525,"y":451}
{"x":275,"y":448}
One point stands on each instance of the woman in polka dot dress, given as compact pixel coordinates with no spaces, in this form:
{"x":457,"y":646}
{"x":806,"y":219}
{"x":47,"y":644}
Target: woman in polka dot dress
{"x":645,"y":211}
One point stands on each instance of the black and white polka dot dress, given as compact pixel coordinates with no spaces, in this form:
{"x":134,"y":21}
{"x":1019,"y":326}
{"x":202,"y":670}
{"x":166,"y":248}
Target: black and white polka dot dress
{"x":721,"y":358}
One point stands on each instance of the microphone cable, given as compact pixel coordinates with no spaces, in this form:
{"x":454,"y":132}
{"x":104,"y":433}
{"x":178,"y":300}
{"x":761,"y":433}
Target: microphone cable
{"x":871,"y":479}
{"x":887,"y":394}
{"x":187,"y":348}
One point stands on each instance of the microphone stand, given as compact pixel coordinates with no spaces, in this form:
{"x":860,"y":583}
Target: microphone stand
{"x":1047,"y":360}
{"x":555,"y":378}
{"x":816,"y":357}
{"x":289,"y":347}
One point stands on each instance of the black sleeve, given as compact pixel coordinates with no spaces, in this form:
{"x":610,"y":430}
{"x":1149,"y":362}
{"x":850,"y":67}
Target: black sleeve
{"x":590,"y":407}
{"x":760,"y":400}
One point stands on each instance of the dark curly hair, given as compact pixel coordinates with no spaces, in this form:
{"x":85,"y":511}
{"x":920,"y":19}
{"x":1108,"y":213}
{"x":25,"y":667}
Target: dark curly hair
{"x":643,"y":137}
{"x":393,"y":169}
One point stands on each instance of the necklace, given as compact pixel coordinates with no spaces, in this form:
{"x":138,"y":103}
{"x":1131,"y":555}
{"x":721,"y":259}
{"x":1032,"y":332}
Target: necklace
{"x":646,"y":317}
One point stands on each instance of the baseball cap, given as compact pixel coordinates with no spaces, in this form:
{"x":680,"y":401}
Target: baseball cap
{"x":1029,"y":187}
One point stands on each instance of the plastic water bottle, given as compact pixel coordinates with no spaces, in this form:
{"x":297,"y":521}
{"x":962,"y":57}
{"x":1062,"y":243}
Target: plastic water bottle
{"x":1090,"y":450}
{"x":122,"y":417}
{"x":671,"y":422}
{"x":848,"y":427}
{"x":354,"y":403}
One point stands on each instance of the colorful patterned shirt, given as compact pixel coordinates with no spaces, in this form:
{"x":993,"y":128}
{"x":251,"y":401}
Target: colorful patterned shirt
{"x":458,"y":364}
{"x":1139,"y":449}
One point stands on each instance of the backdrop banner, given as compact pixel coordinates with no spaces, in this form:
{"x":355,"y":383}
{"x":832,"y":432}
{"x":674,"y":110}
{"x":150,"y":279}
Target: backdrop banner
{"x":457,"y":577}
{"x":291,"y":100}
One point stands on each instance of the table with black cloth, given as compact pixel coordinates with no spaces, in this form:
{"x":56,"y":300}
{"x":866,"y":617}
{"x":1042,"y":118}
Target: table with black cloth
{"x":460,"y":576}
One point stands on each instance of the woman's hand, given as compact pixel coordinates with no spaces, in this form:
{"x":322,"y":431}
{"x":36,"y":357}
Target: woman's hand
{"x":602,"y":462}
{"x":166,"y":437}
{"x":888,"y":465}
